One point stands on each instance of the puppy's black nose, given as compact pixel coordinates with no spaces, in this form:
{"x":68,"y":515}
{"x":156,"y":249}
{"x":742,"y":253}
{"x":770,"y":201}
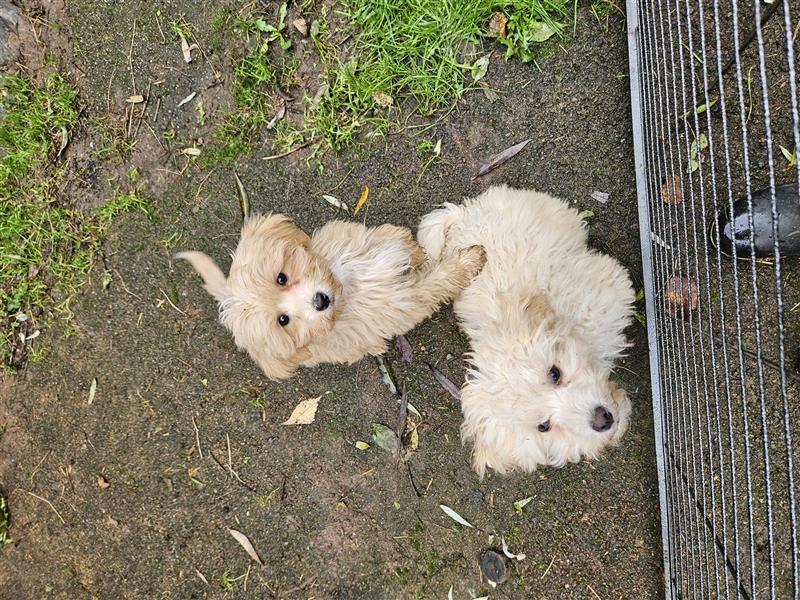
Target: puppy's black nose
{"x":321,"y":301}
{"x":602,"y":419}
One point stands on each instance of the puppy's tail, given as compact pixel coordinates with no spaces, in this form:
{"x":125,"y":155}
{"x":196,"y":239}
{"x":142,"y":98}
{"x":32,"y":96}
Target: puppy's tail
{"x":432,"y":232}
{"x":212,"y":275}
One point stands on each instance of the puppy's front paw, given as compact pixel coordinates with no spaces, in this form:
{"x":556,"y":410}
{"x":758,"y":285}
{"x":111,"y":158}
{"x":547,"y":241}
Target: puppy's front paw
{"x":473,"y":259}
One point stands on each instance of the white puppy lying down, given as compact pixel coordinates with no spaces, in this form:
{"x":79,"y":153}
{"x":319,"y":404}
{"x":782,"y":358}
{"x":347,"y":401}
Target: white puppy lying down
{"x":545,"y":319}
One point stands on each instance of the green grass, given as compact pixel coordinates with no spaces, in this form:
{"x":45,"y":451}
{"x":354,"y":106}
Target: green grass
{"x":418,"y":52}
{"x":411,"y":56}
{"x":46,"y":247}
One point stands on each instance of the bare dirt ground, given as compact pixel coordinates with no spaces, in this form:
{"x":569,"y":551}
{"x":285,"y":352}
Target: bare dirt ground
{"x":187,"y":432}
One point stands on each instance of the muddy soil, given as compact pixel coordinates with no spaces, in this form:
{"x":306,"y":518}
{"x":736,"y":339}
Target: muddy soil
{"x":186,"y":433}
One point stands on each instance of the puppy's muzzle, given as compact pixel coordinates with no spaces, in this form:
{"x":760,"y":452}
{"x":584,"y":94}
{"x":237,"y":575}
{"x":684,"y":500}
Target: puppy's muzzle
{"x":602,"y":420}
{"x":321,"y":301}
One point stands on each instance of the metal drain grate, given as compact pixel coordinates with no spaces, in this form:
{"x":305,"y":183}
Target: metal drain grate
{"x":716,"y":127}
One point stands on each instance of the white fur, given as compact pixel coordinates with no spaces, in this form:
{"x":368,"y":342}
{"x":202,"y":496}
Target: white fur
{"x":542,"y":299}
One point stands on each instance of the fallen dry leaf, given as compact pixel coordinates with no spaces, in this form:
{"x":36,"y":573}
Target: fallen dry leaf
{"x":64,"y":141}
{"x":405,"y":348}
{"x":520,"y":504}
{"x":497,"y":25}
{"x":387,"y":376}
{"x":362,"y":200}
{"x":248,"y":547}
{"x":278,"y":115}
{"x":136,"y":99}
{"x":334,"y":201}
{"x":92,"y":391}
{"x":385,"y":437}
{"x":188,"y":99}
{"x":508,"y":553}
{"x":362,"y":445}
{"x":454,"y":515}
{"x":103,"y":482}
{"x":383,"y":100}
{"x":244,"y":199}
{"x":191,"y":151}
{"x":448,"y":385}
{"x":186,"y":49}
{"x":301,"y":26}
{"x":201,"y":576}
{"x":672,"y":190}
{"x":681,"y":296}
{"x":304,"y":413}
{"x":498,"y":159}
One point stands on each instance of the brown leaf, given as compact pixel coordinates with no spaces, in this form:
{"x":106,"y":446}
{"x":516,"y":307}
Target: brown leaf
{"x":671,"y":190}
{"x":245,"y":543}
{"x":382,"y":100}
{"x":103,"y":482}
{"x":301,"y":26}
{"x":497,"y":25}
{"x":402,"y":415}
{"x":448,"y":385}
{"x":500,"y":158}
{"x":405,"y":348}
{"x":681,"y":296}
{"x":304,"y":413}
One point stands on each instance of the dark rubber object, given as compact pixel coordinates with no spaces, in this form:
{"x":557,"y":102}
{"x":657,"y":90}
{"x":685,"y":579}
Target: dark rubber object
{"x":493,"y":566}
{"x":734,"y":233}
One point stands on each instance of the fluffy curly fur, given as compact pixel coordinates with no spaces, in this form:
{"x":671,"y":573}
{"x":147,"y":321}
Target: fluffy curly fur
{"x":293,"y":300}
{"x":545,"y":319}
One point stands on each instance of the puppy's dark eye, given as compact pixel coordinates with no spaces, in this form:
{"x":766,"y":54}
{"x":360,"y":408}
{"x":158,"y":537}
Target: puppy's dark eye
{"x":283,"y":320}
{"x":282,"y":279}
{"x":555,"y":375}
{"x":544,"y":427}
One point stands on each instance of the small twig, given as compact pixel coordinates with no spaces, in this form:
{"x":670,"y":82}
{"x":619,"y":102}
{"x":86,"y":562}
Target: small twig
{"x":144,"y":108}
{"x":230,"y":466}
{"x":170,"y":302}
{"x":302,"y":586}
{"x":108,"y":91}
{"x":547,"y":570}
{"x":246,"y":575}
{"x":219,"y":464}
{"x":595,"y":594}
{"x":164,"y":41}
{"x":197,"y":437}
{"x":125,"y":287}
{"x":200,"y":187}
{"x":46,"y":501}
{"x":155,"y":135}
{"x":39,"y":464}
{"x":413,"y":484}
{"x":288,"y":152}
{"x":341,"y":181}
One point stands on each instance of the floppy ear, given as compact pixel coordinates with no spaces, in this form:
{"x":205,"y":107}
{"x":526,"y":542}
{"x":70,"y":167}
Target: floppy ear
{"x":214,"y":278}
{"x":273,"y":367}
{"x":491,"y":445}
{"x":537,"y":309}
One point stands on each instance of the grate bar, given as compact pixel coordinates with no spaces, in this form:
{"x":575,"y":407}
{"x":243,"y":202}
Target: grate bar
{"x":711,"y":100}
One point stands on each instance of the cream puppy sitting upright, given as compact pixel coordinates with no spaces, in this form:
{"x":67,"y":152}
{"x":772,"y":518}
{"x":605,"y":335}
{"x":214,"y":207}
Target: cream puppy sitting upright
{"x":293,"y":300}
{"x":545,"y":319}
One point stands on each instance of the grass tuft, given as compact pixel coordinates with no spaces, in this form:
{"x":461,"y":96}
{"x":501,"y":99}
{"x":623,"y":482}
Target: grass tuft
{"x":411,"y":56}
{"x":46,"y":248}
